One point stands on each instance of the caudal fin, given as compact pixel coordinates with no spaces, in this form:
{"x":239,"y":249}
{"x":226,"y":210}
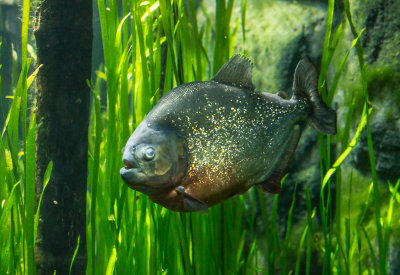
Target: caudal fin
{"x":305,"y":85}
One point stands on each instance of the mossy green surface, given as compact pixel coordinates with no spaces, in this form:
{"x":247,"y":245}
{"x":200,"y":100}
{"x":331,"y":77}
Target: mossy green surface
{"x":273,"y":33}
{"x":382,"y":38}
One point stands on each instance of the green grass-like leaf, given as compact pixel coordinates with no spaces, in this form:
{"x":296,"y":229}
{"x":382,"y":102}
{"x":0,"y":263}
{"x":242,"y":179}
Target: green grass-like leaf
{"x":29,"y":203}
{"x":46,"y":180}
{"x":74,"y":255}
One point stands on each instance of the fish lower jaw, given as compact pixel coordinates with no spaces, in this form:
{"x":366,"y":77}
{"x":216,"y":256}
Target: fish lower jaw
{"x":131,"y":174}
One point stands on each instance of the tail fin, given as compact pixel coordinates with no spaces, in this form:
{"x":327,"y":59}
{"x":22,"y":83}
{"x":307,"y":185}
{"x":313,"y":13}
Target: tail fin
{"x":305,"y":85}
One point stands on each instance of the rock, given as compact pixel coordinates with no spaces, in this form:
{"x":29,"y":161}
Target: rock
{"x":381,"y":39}
{"x":278,"y":35}
{"x":386,"y":144}
{"x":381,"y":45}
{"x":8,"y":2}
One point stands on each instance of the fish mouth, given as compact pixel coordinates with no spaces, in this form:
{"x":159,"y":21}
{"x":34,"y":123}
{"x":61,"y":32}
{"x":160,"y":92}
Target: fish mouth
{"x":134,"y":177}
{"x":130,"y":164}
{"x":131,"y":172}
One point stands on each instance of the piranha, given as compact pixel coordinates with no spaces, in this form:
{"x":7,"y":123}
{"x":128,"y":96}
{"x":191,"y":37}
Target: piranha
{"x":205,"y":142}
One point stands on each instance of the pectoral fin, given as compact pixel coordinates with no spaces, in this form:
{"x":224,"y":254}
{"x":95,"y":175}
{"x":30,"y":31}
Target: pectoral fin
{"x":272,"y":183}
{"x":191,"y":203}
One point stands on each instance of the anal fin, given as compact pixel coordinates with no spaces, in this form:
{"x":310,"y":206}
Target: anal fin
{"x":272,"y":183}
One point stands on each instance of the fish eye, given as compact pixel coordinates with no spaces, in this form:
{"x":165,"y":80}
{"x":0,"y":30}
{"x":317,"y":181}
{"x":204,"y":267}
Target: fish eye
{"x":149,"y":153}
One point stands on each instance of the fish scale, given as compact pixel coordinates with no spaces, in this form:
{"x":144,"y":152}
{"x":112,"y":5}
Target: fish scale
{"x":232,"y":130}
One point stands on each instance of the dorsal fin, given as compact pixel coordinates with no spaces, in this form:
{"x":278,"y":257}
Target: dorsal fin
{"x":236,"y":72}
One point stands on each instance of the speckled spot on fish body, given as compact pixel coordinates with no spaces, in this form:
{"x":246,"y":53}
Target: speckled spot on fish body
{"x":217,"y":153}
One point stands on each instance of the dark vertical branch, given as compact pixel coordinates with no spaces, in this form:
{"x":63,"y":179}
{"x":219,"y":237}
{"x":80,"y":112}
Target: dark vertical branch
{"x":64,"y":43}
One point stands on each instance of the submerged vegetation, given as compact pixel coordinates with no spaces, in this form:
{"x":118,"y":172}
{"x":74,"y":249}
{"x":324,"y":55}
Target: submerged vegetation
{"x":174,"y":42}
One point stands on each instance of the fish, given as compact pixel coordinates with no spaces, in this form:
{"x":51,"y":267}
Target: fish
{"x":207,"y":141}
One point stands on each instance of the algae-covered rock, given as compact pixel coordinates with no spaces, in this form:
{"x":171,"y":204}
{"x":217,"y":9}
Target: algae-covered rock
{"x":381,"y":39}
{"x":386,"y":144}
{"x":8,"y":2}
{"x":381,"y":46}
{"x":384,"y":94}
{"x":278,"y":35}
